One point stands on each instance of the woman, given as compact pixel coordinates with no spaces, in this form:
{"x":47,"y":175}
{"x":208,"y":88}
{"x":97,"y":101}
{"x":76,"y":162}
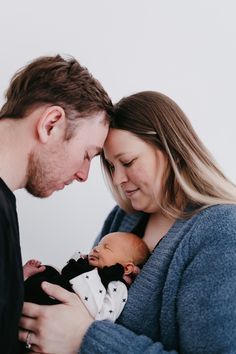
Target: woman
{"x":174,"y":196}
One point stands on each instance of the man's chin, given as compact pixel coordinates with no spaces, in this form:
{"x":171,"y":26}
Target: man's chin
{"x":39,"y":193}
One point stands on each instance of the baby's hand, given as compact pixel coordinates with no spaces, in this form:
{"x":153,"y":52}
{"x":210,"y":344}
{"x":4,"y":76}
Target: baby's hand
{"x":77,"y":255}
{"x":33,"y":266}
{"x":33,"y":263}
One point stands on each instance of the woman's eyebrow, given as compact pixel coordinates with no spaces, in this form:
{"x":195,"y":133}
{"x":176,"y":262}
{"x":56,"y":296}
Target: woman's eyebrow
{"x":117,"y":155}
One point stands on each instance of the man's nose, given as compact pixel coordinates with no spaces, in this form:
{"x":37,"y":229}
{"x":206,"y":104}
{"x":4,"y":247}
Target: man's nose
{"x":82,"y":174}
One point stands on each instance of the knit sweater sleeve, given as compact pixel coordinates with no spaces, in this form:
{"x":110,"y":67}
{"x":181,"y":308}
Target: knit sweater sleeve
{"x":207,"y":294}
{"x":105,"y":337}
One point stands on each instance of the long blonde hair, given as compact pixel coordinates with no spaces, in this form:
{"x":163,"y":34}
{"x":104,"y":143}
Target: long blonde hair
{"x":192,"y":171}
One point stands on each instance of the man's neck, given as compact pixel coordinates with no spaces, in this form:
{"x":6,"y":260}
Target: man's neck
{"x":14,"y":153}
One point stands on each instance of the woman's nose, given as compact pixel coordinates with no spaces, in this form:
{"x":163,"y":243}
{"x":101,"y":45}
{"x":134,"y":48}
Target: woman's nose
{"x":119,"y":177}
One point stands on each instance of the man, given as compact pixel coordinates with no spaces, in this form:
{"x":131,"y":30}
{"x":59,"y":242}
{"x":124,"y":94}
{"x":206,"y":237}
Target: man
{"x":54,"y":121}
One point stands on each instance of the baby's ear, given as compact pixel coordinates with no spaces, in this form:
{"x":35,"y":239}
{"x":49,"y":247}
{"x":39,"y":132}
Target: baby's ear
{"x":129,"y":268}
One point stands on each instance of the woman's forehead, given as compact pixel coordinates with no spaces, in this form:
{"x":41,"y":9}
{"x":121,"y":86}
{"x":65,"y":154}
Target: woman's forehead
{"x":121,"y":142}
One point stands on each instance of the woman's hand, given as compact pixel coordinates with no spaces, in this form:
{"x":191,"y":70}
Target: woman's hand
{"x":56,"y":329}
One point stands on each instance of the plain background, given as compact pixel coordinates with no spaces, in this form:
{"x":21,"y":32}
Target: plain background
{"x":185,"y":49}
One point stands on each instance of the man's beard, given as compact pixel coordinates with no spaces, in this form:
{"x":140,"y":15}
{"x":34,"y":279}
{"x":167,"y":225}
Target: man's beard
{"x":38,"y":177}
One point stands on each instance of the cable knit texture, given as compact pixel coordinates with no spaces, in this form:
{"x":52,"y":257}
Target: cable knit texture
{"x":184,"y":300}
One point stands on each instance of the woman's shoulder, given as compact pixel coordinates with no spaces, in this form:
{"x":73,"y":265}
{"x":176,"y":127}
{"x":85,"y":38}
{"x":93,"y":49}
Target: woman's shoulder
{"x":214,"y":224}
{"x":218,"y":214}
{"x":209,"y":231}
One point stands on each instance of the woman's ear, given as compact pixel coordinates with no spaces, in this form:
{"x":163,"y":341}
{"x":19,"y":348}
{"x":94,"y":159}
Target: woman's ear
{"x":129,"y":268}
{"x":51,"y":122}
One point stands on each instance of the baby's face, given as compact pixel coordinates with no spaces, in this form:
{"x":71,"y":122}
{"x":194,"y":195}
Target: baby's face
{"x":111,"y":249}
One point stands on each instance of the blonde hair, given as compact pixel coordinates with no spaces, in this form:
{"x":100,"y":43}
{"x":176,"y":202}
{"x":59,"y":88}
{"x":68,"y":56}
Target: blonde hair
{"x":192,"y":172}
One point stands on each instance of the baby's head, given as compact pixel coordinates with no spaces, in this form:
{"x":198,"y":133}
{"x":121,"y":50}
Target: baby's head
{"x":119,"y":247}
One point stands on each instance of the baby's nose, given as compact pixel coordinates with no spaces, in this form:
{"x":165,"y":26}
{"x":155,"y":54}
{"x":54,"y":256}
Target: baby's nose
{"x":96,"y":249}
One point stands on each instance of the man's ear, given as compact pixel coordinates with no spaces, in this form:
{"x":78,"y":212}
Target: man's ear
{"x":129,"y":268}
{"x":51,"y":122}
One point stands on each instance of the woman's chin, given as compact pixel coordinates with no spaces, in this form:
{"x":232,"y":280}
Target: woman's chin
{"x":137,"y":206}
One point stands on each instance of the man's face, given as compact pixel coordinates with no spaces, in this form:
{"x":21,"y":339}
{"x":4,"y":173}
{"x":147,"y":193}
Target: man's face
{"x":58,"y":164}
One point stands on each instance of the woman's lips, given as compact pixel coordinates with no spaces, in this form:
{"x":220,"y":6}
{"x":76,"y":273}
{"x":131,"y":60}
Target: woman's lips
{"x":130,"y":193}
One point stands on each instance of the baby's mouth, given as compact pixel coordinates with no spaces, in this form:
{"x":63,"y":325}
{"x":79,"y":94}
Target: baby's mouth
{"x":93,"y":258}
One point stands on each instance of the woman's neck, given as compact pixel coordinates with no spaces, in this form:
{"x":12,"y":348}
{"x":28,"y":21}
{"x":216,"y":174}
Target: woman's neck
{"x":157,"y":227}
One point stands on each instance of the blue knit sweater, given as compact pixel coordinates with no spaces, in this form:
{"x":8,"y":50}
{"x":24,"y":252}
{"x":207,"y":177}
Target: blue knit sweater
{"x":184,"y":300}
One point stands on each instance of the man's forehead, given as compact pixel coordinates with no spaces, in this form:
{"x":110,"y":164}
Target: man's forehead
{"x":95,"y":149}
{"x":100,"y":117}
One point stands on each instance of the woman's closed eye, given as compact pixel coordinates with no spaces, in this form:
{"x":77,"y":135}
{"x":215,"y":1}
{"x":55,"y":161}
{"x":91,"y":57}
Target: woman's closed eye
{"x":123,"y":163}
{"x":127,"y":164}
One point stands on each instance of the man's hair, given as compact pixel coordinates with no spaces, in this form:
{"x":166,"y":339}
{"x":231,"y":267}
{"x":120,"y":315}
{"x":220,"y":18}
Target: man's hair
{"x":58,"y":81}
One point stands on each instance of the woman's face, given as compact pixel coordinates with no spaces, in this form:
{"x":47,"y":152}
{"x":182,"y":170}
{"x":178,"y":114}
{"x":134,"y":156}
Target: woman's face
{"x":137,"y":168}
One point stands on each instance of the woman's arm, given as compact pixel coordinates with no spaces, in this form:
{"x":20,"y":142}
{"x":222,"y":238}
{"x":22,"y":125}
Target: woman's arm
{"x":207,"y":296}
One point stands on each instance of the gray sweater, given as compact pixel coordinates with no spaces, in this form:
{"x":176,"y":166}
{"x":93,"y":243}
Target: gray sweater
{"x":184,"y":300}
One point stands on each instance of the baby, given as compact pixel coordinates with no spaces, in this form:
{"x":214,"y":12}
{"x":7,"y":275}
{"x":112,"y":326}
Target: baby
{"x":98,"y":278}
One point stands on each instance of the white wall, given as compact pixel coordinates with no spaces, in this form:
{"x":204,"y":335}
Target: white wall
{"x":184,"y":48}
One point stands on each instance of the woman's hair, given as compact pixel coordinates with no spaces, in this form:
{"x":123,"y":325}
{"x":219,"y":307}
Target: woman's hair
{"x":192,"y":172}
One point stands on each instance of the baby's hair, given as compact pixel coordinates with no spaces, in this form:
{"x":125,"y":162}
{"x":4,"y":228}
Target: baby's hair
{"x":140,"y":251}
